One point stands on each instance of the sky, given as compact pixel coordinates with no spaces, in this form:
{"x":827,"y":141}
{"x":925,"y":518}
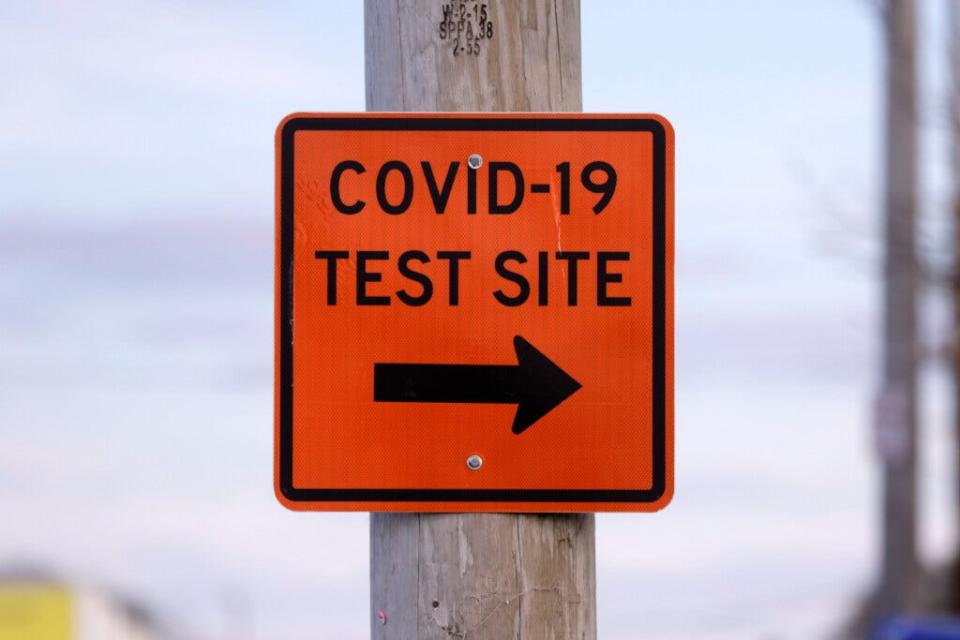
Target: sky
{"x":136,"y":310}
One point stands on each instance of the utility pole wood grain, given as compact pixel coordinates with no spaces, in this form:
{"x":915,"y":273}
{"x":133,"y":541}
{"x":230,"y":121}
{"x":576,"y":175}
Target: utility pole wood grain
{"x":532,"y":62}
{"x":491,"y":576}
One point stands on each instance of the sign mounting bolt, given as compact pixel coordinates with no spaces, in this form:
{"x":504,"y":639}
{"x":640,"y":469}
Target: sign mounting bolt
{"x":474,"y":462}
{"x":475,"y":161}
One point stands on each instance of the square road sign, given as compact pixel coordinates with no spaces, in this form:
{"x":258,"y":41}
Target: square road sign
{"x":474,"y":312}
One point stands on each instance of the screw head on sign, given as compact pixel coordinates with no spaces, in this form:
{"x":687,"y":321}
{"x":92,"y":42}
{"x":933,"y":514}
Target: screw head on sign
{"x":475,"y":161}
{"x":474,"y":462}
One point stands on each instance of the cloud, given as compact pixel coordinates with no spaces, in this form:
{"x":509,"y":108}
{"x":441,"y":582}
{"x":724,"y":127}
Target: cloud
{"x":112,"y":105}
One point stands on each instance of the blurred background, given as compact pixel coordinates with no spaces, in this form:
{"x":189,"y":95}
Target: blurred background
{"x":136,"y":320}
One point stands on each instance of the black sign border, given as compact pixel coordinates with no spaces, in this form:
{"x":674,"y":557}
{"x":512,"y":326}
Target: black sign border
{"x":472,"y":123}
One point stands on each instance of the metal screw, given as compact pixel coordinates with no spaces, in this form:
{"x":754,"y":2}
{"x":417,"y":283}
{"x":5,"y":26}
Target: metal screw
{"x":474,"y":462}
{"x":475,"y":161}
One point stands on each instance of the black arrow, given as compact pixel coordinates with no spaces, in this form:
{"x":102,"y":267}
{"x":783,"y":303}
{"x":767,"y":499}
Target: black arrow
{"x":535,"y":384}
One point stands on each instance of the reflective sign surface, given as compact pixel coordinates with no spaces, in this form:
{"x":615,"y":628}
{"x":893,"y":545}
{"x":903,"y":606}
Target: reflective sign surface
{"x":474,"y":312}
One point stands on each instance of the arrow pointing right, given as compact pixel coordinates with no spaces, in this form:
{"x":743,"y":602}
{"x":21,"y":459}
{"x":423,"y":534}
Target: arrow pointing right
{"x":535,"y":384}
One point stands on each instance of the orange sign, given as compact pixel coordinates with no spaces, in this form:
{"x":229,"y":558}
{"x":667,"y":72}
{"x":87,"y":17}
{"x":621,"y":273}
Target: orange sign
{"x":474,"y":312}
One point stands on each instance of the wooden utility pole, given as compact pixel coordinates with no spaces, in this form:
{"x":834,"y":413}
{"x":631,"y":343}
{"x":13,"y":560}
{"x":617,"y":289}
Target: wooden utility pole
{"x":953,"y":42}
{"x":491,"y":576}
{"x":898,"y":403}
